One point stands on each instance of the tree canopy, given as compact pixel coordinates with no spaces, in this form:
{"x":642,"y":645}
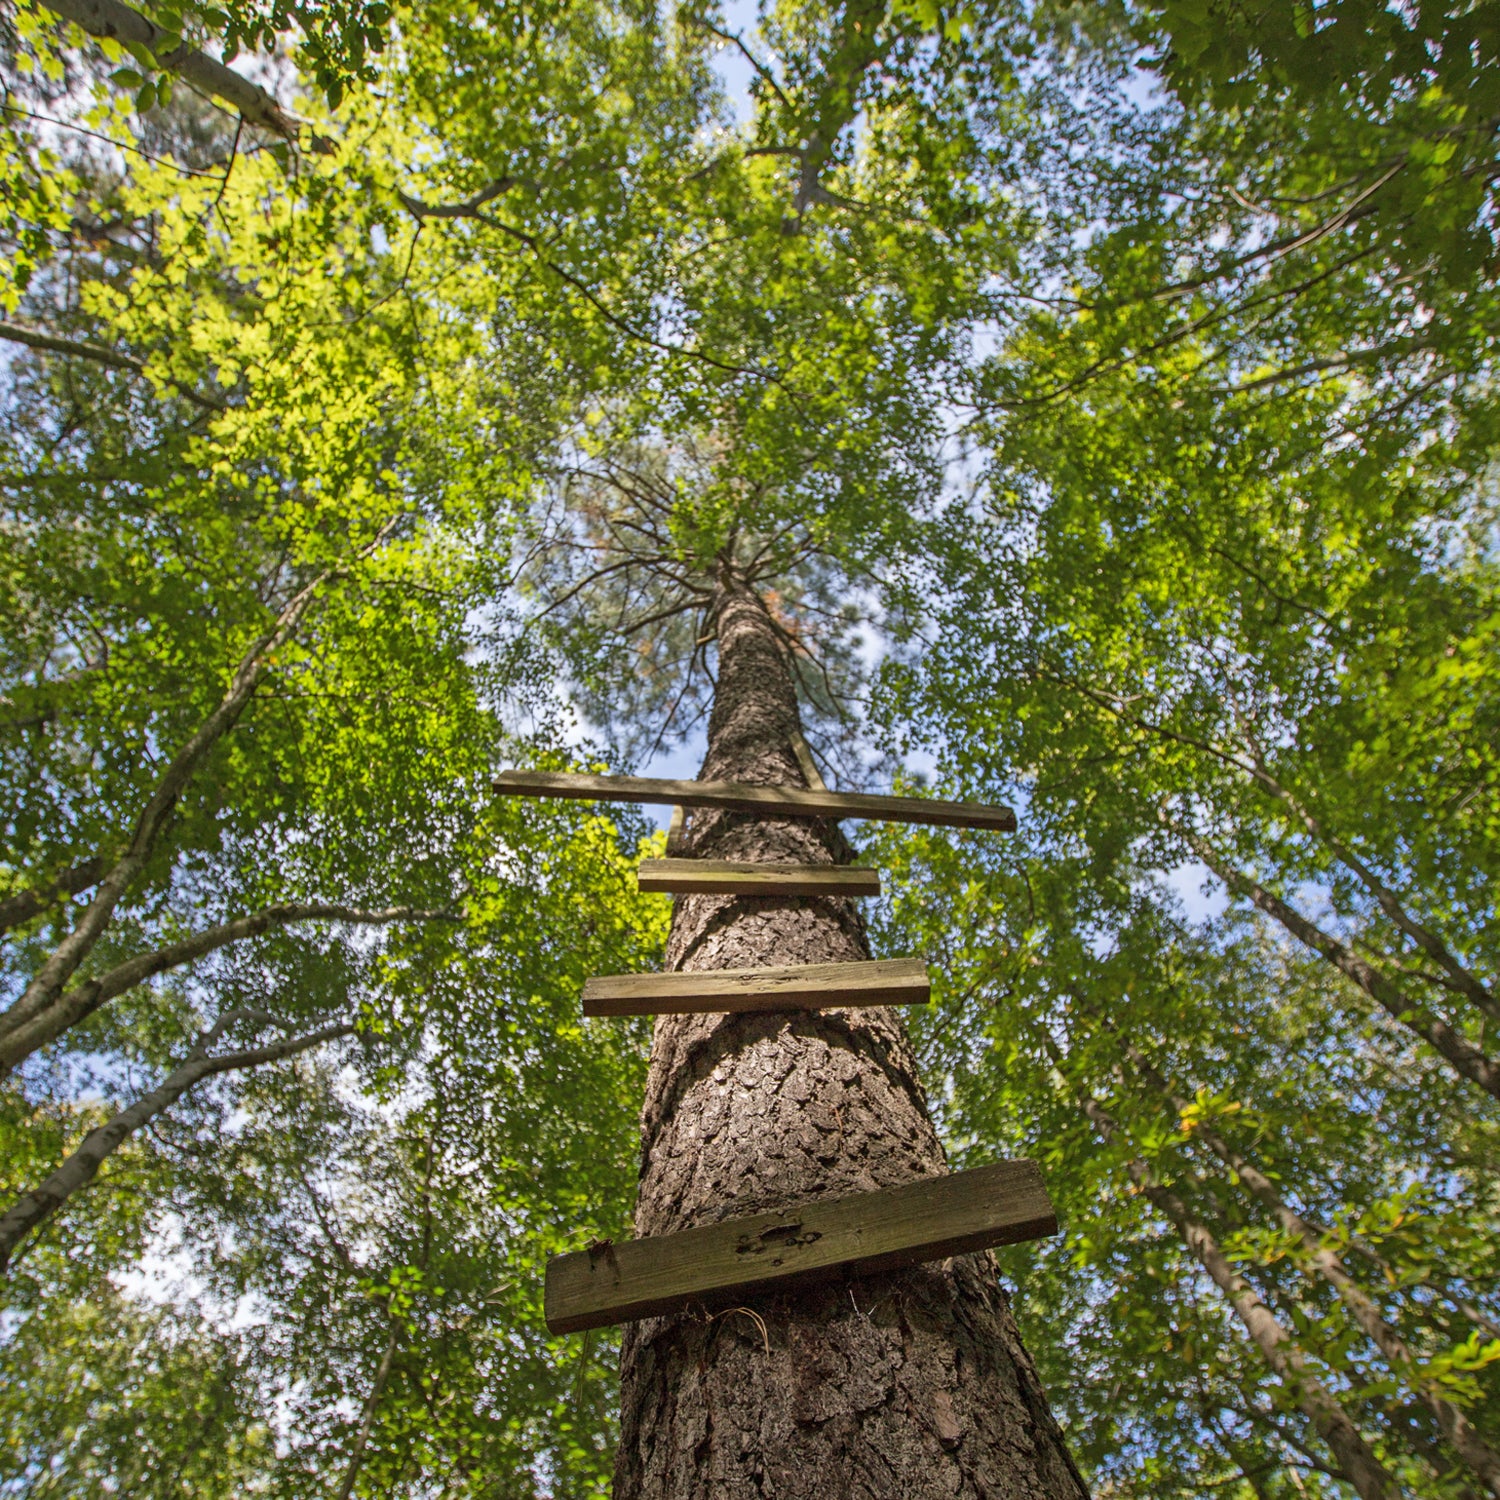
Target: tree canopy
{"x":1102,"y":398}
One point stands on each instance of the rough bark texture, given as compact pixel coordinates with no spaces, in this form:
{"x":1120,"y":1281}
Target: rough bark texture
{"x":896,"y":1387}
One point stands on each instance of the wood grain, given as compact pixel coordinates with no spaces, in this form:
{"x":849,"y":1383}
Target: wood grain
{"x":722,"y":877}
{"x":772,"y":801}
{"x":886,"y":981}
{"x":719,"y":1264}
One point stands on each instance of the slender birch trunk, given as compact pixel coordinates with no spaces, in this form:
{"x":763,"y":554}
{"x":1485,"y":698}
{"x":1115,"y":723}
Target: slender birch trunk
{"x":1370,"y":1478}
{"x":42,"y":995}
{"x":1322,"y":1259}
{"x":80,"y":1168}
{"x":1460,"y":978}
{"x":909,"y":1385}
{"x":367,"y":1416}
{"x":1443,"y":1038}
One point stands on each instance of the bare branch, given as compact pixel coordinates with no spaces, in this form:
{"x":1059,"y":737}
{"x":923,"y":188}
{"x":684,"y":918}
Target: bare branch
{"x":670,"y":612}
{"x":15,"y":333}
{"x":68,"y":1009}
{"x":735,"y":40}
{"x":25,"y":905}
{"x":421,"y":211}
{"x":468,"y":209}
{"x":595,"y":576}
{"x":1109,"y":364}
{"x":1300,"y":239}
{"x":682,"y":692}
{"x":1420,"y":343}
{"x":80,"y":1168}
{"x":112,"y":19}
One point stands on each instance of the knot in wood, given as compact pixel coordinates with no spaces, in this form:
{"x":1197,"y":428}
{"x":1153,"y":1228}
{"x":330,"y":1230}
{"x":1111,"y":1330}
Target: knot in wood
{"x":777,"y":1237}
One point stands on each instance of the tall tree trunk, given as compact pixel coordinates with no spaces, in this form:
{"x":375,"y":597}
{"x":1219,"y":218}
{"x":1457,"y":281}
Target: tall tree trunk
{"x":900,"y":1386}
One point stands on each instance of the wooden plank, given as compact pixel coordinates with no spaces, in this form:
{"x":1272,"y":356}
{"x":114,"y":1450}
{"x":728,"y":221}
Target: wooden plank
{"x":737,"y":796}
{"x":886,"y":981}
{"x":720,"y":1264}
{"x":721,"y":877}
{"x":805,"y":762}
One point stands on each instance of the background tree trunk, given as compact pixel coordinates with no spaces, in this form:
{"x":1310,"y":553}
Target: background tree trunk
{"x":900,"y":1386}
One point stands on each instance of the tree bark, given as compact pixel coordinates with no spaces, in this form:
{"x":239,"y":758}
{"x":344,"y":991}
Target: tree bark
{"x":367,"y":1416}
{"x":32,"y":338}
{"x":901,"y":1386}
{"x":26,"y":904}
{"x":111,"y":18}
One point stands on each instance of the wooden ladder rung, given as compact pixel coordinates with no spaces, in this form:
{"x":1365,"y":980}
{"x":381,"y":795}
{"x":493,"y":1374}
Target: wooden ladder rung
{"x":769,"y":801}
{"x":886,"y":981}
{"x":720,"y":877}
{"x":720,"y":1264}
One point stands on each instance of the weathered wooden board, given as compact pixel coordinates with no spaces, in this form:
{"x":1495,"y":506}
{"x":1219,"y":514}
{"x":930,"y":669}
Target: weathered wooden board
{"x":806,"y":763}
{"x":886,"y":981}
{"x":719,"y":1264}
{"x":721,"y":877}
{"x":773,"y":801}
